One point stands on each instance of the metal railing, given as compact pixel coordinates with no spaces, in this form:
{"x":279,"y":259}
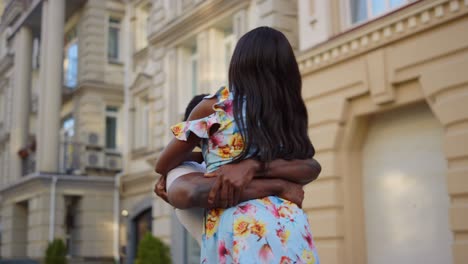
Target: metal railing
{"x":70,"y":157}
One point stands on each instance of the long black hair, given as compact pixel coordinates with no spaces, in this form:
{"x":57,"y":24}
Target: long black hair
{"x":264,"y":72}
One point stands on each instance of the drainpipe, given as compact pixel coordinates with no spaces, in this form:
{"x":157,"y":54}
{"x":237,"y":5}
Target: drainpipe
{"x":52,"y":208}
{"x":117,"y":216}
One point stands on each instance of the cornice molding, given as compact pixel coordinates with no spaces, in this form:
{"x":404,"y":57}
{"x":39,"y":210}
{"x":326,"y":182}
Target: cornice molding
{"x":189,"y":21}
{"x":408,"y":21}
{"x":141,"y":83}
{"x":44,"y":179}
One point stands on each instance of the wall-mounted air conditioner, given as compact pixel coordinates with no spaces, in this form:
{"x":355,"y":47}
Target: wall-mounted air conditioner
{"x":93,"y":159}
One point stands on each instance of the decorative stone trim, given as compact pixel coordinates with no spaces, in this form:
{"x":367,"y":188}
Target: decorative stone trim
{"x":416,"y":17}
{"x":199,"y":15}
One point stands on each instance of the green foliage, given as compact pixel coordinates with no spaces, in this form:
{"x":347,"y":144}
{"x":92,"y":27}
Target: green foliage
{"x":152,"y":250}
{"x":56,"y":253}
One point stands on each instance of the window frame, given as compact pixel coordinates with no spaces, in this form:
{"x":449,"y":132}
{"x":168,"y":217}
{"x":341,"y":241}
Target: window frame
{"x":114,"y":23}
{"x":347,"y":12}
{"x":69,"y":42}
{"x":112,"y":114}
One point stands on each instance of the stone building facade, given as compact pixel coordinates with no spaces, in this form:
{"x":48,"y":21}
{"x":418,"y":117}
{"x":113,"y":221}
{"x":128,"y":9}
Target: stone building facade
{"x":61,"y":123}
{"x":386,"y":91}
{"x":384,"y":82}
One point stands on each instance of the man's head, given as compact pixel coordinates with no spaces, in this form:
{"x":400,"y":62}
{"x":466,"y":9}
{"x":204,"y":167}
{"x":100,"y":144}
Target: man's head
{"x":194,"y":102}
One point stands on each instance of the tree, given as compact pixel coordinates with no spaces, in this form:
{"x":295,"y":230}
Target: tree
{"x":56,"y":252}
{"x":152,"y":250}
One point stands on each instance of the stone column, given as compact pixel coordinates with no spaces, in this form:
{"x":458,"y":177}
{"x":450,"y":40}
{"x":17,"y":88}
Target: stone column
{"x":211,"y":73}
{"x":42,"y":84}
{"x":52,"y":92}
{"x":21,"y":98}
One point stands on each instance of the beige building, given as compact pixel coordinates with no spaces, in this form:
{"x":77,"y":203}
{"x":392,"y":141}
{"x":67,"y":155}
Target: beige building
{"x":61,"y":123}
{"x":95,"y":85}
{"x":385,"y":83}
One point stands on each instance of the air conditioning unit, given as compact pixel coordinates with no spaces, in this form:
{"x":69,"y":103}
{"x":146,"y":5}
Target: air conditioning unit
{"x":113,"y":162}
{"x":93,"y":159}
{"x":92,"y":139}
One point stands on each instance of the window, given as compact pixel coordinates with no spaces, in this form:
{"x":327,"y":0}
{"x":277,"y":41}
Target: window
{"x":67,"y":162}
{"x":68,"y":127}
{"x":70,"y":61}
{"x":113,"y":40}
{"x":362,"y":10}
{"x":71,"y":225}
{"x":111,"y":127}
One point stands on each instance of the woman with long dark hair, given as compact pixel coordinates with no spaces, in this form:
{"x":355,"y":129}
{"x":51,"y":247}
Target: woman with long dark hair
{"x":261,"y":116}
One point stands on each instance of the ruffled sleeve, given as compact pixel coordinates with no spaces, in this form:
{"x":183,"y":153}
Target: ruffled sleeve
{"x":201,"y":127}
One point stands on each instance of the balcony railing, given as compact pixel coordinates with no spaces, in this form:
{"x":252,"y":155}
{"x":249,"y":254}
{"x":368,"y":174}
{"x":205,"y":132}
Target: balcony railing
{"x":70,"y":157}
{"x":29,"y":164}
{"x":78,"y":158}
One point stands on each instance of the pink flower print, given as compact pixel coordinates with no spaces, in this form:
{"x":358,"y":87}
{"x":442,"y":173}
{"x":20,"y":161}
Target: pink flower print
{"x":217,"y":140}
{"x":283,"y":235}
{"x":222,"y":252}
{"x":200,"y":127}
{"x":265,"y":253}
{"x":228,"y":108}
{"x":286,"y":260}
{"x":308,"y":237}
{"x":273,"y":209}
{"x":246,"y":209}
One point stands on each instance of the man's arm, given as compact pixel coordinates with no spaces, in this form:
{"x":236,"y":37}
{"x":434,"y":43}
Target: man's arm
{"x":191,"y":190}
{"x":233,"y":179}
{"x":298,"y":171}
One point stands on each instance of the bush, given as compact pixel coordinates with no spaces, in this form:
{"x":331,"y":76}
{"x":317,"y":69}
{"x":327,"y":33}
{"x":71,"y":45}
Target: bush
{"x":152,"y":250}
{"x":56,"y":252}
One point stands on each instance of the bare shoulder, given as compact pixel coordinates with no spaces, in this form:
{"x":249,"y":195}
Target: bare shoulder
{"x":203,"y":109}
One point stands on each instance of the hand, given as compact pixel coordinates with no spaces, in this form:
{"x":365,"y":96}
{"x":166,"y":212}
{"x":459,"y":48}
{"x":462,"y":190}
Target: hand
{"x":292,"y":192}
{"x":160,"y":189}
{"x":231,"y":180}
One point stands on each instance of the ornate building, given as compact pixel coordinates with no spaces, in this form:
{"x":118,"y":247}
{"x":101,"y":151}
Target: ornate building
{"x":384,"y":82}
{"x":61,"y":97}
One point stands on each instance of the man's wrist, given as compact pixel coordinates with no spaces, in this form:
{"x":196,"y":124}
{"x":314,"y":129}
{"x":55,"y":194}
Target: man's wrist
{"x":254,"y":165}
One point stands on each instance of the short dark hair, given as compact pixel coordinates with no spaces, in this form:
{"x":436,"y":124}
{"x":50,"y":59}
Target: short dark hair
{"x":194,"y":102}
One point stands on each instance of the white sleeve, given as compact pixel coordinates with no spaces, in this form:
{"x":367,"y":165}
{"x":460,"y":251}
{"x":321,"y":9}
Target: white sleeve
{"x":185,"y":168}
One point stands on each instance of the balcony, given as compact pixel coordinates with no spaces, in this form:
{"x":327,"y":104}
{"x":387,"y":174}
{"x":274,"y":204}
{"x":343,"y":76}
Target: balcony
{"x":88,"y":157}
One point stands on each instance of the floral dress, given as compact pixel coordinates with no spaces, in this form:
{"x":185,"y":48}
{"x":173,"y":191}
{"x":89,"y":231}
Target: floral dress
{"x":267,"y":230}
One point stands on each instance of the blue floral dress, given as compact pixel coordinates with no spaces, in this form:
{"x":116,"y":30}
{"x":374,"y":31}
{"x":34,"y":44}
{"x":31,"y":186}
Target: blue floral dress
{"x":267,"y":230}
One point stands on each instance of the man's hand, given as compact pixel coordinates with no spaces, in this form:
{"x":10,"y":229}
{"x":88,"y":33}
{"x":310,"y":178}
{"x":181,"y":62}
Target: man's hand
{"x":231,"y":179}
{"x":292,"y":192}
{"x":160,"y":189}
